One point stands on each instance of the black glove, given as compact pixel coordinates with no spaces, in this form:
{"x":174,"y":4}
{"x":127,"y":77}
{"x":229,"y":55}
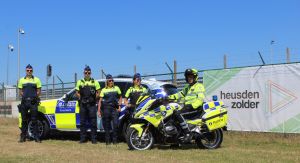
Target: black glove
{"x":20,"y":108}
{"x":35,"y":101}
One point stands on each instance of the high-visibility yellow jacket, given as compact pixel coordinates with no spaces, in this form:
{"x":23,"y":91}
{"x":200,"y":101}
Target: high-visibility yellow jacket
{"x":191,"y":94}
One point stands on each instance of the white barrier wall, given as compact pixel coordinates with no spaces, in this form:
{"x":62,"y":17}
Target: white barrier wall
{"x":258,"y":98}
{"x":14,"y":107}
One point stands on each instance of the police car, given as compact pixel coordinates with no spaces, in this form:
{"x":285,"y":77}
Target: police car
{"x":63,"y":114}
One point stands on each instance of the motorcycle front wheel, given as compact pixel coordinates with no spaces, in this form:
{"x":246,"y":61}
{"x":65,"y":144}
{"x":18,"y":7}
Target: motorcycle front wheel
{"x":210,"y":140}
{"x":135,"y":142}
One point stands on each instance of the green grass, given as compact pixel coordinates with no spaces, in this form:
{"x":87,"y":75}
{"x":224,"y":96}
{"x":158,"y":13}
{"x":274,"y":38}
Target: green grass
{"x":236,"y":147}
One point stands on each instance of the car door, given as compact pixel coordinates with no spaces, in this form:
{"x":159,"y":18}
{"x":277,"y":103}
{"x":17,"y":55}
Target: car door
{"x":67,"y":112}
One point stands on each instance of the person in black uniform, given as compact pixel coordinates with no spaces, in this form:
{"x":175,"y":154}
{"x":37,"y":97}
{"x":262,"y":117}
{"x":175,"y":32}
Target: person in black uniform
{"x":134,"y":92}
{"x":87,"y":90}
{"x":30,"y":90}
{"x":110,"y":101}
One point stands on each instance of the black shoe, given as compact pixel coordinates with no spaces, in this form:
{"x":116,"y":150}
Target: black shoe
{"x":115,"y":142}
{"x":94,"y":141}
{"x":22,"y":139}
{"x":38,"y":140}
{"x":82,"y":141}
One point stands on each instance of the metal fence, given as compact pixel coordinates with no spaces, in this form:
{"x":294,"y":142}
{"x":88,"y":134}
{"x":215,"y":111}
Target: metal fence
{"x":9,"y":94}
{"x":57,"y":90}
{"x":50,"y":91}
{"x":53,"y":91}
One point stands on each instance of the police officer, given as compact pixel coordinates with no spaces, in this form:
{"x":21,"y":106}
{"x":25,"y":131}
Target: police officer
{"x":110,"y":103}
{"x":87,"y":90}
{"x":193,"y":96}
{"x":134,"y":92}
{"x":30,"y":90}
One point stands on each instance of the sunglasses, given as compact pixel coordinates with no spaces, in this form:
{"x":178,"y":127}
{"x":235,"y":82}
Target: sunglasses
{"x":110,"y":80}
{"x":29,"y":70}
{"x":87,"y":72}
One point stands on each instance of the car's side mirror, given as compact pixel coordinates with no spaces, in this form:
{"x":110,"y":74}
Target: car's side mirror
{"x":65,"y":97}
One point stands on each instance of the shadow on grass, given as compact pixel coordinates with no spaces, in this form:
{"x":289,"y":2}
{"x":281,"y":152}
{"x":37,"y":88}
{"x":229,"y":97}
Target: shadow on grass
{"x":75,"y":136}
{"x":72,"y":136}
{"x":176,"y":147}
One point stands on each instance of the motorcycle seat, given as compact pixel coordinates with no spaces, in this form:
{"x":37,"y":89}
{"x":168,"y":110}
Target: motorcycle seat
{"x":192,"y":115}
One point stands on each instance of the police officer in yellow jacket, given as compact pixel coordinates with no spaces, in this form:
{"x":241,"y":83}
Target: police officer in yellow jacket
{"x":87,"y":90}
{"x":110,"y":103}
{"x":30,"y":90}
{"x":193,"y":97}
{"x":134,"y":92}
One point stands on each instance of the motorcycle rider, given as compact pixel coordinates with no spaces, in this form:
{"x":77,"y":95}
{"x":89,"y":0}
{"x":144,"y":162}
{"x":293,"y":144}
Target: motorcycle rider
{"x":193,"y":96}
{"x":134,"y":92}
{"x":87,"y":90}
{"x":110,"y":100}
{"x":30,"y":90}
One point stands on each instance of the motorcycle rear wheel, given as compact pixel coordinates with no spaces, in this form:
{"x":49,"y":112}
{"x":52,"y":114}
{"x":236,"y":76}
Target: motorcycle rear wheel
{"x":134,"y":142}
{"x":210,"y":140}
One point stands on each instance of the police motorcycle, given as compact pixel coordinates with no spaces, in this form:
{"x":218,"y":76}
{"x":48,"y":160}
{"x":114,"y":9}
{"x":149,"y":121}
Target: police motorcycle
{"x":153,"y":122}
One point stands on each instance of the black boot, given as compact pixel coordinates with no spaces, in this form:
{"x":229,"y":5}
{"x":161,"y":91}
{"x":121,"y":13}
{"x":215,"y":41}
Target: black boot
{"x":115,"y":141}
{"x":184,"y":126}
{"x":82,"y":140}
{"x":187,"y":133}
{"x":38,"y":140}
{"x":107,"y":141}
{"x":94,"y":141}
{"x":94,"y":138}
{"x":22,"y":139}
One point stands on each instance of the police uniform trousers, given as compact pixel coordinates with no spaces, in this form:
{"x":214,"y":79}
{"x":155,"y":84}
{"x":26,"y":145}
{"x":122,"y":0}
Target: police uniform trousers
{"x":88,"y":116}
{"x":188,"y":112}
{"x":32,"y":106}
{"x":110,"y":114}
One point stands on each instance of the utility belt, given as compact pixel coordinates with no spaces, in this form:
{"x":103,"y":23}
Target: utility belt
{"x":30,"y":100}
{"x":85,"y":101}
{"x":88,"y":100}
{"x":110,"y":104}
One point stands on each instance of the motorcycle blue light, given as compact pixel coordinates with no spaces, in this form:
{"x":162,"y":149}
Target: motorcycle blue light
{"x":215,"y":98}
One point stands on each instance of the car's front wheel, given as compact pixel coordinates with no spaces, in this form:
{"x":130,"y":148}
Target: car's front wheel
{"x":43,"y":128}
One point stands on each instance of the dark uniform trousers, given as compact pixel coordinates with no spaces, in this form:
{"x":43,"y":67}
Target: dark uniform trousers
{"x":29,"y":104}
{"x":130,"y":110}
{"x":88,"y":111}
{"x":188,"y":111}
{"x":110,"y":113}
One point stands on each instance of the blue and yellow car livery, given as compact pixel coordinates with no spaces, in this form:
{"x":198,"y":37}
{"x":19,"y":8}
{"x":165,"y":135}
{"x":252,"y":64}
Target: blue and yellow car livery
{"x":63,"y":114}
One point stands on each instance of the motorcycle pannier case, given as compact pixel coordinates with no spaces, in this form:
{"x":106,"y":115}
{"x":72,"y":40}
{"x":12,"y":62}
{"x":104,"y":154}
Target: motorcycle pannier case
{"x":215,"y":115}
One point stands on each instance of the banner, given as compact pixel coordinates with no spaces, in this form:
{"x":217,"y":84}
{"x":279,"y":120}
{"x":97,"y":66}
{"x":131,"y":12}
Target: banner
{"x":262,"y":98}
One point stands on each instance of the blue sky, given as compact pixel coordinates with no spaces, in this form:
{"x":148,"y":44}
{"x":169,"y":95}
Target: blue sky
{"x":105,"y":34}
